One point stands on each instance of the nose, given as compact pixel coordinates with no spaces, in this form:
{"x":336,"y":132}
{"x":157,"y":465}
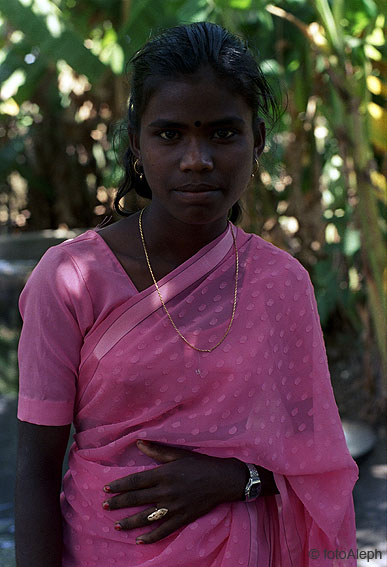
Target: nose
{"x":196,"y":157}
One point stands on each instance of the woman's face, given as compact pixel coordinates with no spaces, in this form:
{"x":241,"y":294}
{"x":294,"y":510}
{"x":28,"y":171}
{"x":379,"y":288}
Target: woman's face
{"x":197,"y":148}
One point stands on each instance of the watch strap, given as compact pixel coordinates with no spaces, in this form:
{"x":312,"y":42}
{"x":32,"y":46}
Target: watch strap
{"x":253,"y":486}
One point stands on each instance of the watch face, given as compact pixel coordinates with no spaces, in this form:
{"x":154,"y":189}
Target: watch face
{"x":253,"y":486}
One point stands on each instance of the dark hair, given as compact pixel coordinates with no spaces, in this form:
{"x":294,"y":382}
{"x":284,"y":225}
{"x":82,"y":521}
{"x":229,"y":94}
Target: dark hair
{"x":184,"y":50}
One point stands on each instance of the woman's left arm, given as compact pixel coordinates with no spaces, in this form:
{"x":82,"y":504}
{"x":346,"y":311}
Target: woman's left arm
{"x":187,"y":484}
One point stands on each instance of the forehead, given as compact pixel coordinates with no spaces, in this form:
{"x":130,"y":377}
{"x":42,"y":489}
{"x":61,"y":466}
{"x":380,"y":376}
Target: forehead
{"x":201,"y":97}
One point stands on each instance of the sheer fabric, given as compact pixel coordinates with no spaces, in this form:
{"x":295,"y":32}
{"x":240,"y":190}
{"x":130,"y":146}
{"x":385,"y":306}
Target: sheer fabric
{"x":96,"y":352}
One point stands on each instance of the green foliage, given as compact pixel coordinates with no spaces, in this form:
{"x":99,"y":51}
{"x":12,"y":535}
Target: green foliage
{"x":62,"y":71}
{"x":50,"y":33}
{"x":359,"y":15}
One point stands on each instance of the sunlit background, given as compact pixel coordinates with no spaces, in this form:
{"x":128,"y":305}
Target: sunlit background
{"x":320,"y":191}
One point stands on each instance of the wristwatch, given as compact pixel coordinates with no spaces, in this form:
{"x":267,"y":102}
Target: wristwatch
{"x":253,"y":486}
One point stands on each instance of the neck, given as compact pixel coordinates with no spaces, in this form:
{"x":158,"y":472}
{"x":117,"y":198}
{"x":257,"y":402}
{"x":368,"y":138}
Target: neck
{"x":174,"y":240}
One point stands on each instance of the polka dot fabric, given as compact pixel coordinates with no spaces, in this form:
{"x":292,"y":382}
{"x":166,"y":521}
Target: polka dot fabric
{"x":263,"y":396}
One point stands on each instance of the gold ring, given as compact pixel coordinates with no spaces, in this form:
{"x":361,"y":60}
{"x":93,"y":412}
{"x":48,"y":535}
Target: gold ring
{"x":157,"y":514}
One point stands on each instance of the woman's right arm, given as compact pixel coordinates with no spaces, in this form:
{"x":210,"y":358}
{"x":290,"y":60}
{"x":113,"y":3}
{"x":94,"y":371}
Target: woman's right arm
{"x":38,"y":521}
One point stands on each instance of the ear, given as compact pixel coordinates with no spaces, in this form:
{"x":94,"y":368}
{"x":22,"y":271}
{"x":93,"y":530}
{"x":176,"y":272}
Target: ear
{"x":134,"y":143}
{"x":260,"y":138}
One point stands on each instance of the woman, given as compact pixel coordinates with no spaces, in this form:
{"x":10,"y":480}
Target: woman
{"x":187,"y":353}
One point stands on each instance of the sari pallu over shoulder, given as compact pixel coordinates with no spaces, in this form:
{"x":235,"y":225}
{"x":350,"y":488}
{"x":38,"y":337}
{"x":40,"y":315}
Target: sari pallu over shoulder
{"x":127,"y":316}
{"x":263,"y":396}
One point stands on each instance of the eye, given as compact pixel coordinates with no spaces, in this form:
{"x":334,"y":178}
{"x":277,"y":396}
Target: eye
{"x":168,"y":135}
{"x":224,"y":133}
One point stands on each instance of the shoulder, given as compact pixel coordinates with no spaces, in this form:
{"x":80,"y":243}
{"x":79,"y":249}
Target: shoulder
{"x":62,"y":264}
{"x":79,"y":258}
{"x":82,"y":250}
{"x":65,"y":270}
{"x":266,"y":259}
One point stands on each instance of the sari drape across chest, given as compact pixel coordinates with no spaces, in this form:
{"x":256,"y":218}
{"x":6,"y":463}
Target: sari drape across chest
{"x":263,"y":396}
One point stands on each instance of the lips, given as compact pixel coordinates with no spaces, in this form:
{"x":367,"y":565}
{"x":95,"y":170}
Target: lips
{"x":196,"y":188}
{"x":196,"y":193}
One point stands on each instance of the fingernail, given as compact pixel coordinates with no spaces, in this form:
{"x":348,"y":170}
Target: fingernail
{"x":117,"y":527}
{"x":138,"y":541}
{"x":107,"y":488}
{"x":105,"y":506}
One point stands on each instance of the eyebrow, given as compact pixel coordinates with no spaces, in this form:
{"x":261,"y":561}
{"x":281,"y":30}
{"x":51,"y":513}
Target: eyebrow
{"x":165,"y":123}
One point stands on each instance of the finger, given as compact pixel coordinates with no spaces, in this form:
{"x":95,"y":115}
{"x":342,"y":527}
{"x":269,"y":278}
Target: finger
{"x":132,"y":499}
{"x":136,"y":481}
{"x":163,"y":530}
{"x":139,"y":520}
{"x":162,"y":453}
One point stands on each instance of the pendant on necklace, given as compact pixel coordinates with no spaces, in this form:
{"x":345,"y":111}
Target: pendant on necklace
{"x":198,"y":362}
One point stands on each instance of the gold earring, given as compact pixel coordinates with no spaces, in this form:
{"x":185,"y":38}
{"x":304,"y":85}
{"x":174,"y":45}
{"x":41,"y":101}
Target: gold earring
{"x":139,"y":173}
{"x":256,"y":162}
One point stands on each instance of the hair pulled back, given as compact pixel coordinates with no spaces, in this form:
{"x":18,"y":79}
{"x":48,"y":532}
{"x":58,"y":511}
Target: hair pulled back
{"x":184,"y":50}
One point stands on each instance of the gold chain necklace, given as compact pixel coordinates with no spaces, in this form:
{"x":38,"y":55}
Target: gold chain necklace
{"x":162,"y":301}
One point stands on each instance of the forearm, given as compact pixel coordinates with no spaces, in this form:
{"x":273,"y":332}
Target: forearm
{"x":38,"y":524}
{"x":38,"y":518}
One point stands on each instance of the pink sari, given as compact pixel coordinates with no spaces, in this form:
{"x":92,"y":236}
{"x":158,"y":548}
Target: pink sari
{"x":263,"y":396}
